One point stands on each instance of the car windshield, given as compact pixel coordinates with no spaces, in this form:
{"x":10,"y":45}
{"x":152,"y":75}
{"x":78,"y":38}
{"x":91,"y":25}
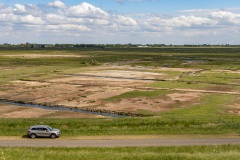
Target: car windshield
{"x":49,"y":128}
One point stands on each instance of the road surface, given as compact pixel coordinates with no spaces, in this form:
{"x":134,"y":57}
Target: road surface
{"x":45,"y":142}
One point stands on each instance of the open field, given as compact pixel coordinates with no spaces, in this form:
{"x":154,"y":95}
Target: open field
{"x":193,"y":90}
{"x":164,"y":153}
{"x":137,"y":81}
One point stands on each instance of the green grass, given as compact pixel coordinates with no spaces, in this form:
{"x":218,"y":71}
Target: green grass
{"x":128,"y":126}
{"x":195,"y":83}
{"x":208,"y":116}
{"x":209,"y":105}
{"x":170,"y":57}
{"x":134,"y":94}
{"x":29,"y":73}
{"x":227,"y":152}
{"x":214,"y":77}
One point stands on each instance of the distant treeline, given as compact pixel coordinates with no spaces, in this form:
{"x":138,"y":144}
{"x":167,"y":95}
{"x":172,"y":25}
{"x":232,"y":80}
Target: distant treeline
{"x":35,"y":45}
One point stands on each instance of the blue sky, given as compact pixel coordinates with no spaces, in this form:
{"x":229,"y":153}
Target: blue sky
{"x":160,"y":6}
{"x":120,"y":21}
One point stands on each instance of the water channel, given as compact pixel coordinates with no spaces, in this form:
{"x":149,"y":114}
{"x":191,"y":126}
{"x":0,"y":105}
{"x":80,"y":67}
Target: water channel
{"x":57,"y":108}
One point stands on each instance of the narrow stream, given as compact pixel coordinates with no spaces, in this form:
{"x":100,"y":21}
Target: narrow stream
{"x":61,"y":109}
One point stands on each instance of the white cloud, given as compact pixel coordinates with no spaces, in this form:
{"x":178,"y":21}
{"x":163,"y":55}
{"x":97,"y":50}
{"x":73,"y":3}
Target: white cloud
{"x":86,"y":10}
{"x":101,"y":22}
{"x":28,"y":9}
{"x":190,"y":21}
{"x":177,"y":23}
{"x":126,"y":21}
{"x":4,"y":9}
{"x":71,"y":27}
{"x":20,"y":8}
{"x":224,"y":17}
{"x":57,"y":4}
{"x":12,"y":19}
{"x":56,"y":19}
{"x":29,"y":19}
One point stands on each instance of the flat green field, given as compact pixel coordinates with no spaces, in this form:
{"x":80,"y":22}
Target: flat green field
{"x":173,"y":90}
{"x":164,"y":91}
{"x":130,"y":153}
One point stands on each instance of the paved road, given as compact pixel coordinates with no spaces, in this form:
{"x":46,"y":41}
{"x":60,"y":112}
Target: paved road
{"x":117,"y":143}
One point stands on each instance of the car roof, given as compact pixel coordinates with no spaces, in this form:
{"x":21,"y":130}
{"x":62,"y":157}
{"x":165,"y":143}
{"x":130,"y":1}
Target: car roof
{"x":39,"y":126}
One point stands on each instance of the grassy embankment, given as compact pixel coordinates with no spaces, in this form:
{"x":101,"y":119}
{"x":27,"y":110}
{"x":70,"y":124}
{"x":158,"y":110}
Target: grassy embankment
{"x":131,"y":153}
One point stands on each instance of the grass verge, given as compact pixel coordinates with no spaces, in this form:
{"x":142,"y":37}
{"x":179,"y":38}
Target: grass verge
{"x":127,"y":126}
{"x":131,"y":153}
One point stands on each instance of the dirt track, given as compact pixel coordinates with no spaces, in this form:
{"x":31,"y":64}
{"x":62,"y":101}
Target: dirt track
{"x":118,"y":143}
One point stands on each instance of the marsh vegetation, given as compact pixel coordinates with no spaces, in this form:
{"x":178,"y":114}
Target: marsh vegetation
{"x":169,"y":90}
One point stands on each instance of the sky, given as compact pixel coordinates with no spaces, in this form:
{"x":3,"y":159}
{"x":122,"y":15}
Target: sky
{"x":120,"y":21}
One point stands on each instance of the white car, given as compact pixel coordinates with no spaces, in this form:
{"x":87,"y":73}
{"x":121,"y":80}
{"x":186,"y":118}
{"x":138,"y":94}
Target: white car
{"x":43,"y":131}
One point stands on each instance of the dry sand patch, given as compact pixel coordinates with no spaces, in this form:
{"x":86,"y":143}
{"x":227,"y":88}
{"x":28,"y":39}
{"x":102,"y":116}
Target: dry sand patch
{"x":31,"y":83}
{"x":126,"y":74}
{"x":185,"y":96}
{"x":153,"y":104}
{"x":235,"y":108}
{"x":148,"y":68}
{"x":11,"y":111}
{"x":88,"y":89}
{"x":228,"y":71}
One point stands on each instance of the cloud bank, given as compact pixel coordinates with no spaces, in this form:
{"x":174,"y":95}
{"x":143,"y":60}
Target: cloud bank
{"x":56,"y":22}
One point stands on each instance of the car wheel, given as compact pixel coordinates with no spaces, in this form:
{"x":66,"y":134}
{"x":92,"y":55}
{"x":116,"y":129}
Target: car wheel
{"x":53,"y":136}
{"x":33,"y":136}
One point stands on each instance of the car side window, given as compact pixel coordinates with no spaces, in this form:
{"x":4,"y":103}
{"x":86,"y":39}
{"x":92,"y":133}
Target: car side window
{"x":40,"y":129}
